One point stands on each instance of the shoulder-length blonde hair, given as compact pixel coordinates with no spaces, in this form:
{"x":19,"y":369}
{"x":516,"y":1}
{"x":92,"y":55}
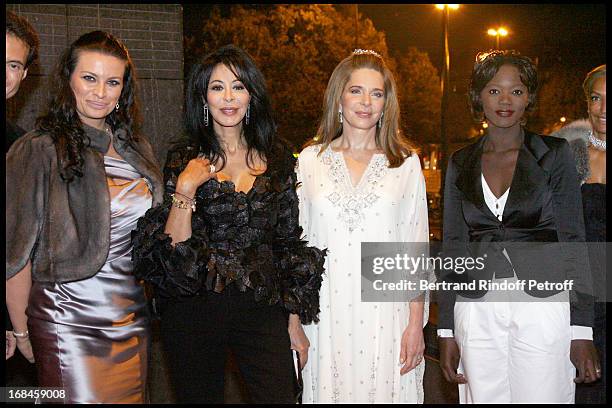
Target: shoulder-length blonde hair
{"x":388,"y":137}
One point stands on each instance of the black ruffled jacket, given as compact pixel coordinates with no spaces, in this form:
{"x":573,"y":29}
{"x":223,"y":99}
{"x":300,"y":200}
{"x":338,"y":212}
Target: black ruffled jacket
{"x":248,"y":239}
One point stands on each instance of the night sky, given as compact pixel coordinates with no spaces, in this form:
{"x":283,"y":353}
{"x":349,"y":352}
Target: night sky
{"x":572,"y":34}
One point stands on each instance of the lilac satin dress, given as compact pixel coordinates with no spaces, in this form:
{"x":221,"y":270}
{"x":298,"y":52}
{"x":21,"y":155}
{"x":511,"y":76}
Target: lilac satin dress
{"x":91,"y":337}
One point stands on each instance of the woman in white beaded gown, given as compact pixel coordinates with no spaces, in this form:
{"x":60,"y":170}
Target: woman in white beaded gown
{"x":361,"y":182}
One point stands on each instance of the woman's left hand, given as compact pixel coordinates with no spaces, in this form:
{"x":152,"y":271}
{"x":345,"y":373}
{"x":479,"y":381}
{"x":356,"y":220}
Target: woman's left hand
{"x":412,"y":348}
{"x":299,"y":341}
{"x":586,"y":360}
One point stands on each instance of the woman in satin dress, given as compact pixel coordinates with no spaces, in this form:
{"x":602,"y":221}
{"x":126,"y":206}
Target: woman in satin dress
{"x":75,"y":187}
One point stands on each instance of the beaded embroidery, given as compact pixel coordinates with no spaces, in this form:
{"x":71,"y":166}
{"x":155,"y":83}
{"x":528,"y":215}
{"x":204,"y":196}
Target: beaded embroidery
{"x":353,"y":201}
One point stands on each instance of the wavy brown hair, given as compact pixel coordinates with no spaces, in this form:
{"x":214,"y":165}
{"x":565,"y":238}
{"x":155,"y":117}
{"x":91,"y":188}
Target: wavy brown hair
{"x":389,"y":137}
{"x":62,"y":121}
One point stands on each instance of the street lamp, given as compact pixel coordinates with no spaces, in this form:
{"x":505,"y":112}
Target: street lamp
{"x":499,"y":32}
{"x":444,"y":84}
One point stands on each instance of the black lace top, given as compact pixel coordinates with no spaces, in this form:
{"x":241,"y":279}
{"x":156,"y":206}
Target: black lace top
{"x":251,"y":240}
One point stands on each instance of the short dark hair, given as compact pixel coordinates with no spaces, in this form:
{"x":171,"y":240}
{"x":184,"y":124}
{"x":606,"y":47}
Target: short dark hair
{"x":22,"y":29}
{"x":485,"y":68}
{"x":62,"y":121}
{"x":259,"y":133}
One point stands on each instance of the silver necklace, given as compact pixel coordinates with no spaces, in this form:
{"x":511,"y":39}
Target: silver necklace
{"x":597,"y":143}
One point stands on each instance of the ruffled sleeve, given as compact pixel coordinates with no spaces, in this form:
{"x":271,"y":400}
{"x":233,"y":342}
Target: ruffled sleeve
{"x":173,"y":271}
{"x":301,"y":265}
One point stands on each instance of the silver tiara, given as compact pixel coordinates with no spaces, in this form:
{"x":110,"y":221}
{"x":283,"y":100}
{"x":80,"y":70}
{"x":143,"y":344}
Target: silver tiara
{"x":359,"y":51}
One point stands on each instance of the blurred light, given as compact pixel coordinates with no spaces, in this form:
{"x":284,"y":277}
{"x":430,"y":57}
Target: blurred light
{"x":450,"y":6}
{"x":501,"y":31}
{"x":563,"y":119}
{"x":485,"y":125}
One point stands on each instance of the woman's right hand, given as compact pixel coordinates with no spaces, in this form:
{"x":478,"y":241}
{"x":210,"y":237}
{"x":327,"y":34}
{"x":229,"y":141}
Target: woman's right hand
{"x":449,"y":360}
{"x":25,"y":347}
{"x":197,"y":172}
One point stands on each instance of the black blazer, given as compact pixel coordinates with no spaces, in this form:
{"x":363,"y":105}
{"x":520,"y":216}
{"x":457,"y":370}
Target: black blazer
{"x":544,"y":205}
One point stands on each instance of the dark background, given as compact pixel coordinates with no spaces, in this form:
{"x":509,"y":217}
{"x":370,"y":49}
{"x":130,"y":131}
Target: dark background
{"x":570,"y":34}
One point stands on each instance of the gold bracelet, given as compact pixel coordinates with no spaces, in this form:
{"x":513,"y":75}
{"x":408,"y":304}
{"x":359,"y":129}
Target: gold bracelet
{"x":182,"y":204}
{"x":183,"y":195}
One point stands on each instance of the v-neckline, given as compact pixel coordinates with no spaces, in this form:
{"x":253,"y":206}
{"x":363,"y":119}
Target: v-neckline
{"x":486,"y":184}
{"x":348,"y":173}
{"x":233,"y":185}
{"x":516,"y":165}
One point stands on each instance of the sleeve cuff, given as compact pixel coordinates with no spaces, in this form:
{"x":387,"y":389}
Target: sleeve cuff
{"x":581,"y":333}
{"x":445,"y":333}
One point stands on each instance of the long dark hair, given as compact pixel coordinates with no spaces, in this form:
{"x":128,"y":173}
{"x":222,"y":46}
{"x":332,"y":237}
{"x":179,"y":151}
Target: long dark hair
{"x":62,"y":121}
{"x":258,"y":133}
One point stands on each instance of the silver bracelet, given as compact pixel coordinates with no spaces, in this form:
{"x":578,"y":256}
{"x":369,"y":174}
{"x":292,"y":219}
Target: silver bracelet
{"x":23,"y":335}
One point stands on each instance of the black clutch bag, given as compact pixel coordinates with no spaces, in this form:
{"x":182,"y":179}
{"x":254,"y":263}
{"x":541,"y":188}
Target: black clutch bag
{"x":299,"y":382}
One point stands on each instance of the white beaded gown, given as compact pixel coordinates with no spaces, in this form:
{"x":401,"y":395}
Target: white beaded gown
{"x":354,"y":353}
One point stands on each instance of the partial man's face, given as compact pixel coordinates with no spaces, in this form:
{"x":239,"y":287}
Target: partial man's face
{"x":16,"y":57}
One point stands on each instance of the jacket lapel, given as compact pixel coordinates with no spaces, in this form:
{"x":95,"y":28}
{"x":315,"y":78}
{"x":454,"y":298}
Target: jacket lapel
{"x":469,"y":179}
{"x":529,"y":177}
{"x":139,"y":154}
{"x":142,"y":158}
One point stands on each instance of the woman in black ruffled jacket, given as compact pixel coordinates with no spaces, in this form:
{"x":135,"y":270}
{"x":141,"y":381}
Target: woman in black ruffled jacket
{"x":224,"y":251}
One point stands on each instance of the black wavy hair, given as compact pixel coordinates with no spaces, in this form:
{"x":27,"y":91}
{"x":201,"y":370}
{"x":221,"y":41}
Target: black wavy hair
{"x":486,"y":66}
{"x":62,"y":121}
{"x":22,"y":29}
{"x":259,"y":133}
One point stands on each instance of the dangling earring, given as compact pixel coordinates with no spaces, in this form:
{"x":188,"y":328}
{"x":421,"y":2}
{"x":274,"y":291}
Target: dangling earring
{"x":380,"y":120}
{"x":248,"y":113}
{"x":206,"y":114}
{"x":340,"y":114}
{"x":117,"y":106}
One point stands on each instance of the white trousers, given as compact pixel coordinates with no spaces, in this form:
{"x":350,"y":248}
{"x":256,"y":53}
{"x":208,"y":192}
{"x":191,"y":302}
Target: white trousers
{"x":515,"y":352}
